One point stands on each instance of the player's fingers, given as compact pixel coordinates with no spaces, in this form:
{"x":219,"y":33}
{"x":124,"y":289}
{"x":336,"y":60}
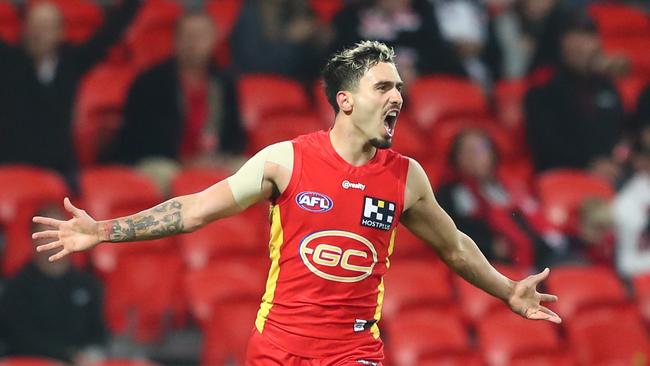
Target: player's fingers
{"x":537,"y":278}
{"x":47,"y":221}
{"x":544,"y":313}
{"x":59,"y":255}
{"x":49,"y":246}
{"x":47,"y":234}
{"x":547,"y":298}
{"x":76,"y":212}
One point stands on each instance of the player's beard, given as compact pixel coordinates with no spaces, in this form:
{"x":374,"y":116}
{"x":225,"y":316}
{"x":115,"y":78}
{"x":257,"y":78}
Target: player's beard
{"x":381,"y":143}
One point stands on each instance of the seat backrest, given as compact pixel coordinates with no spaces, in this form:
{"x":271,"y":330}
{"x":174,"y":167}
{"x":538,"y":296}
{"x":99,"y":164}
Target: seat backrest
{"x":281,"y":127}
{"x":404,"y":290}
{"x":561,"y":191}
{"x":581,"y":287}
{"x":29,"y":361}
{"x":424,"y":332}
{"x":608,"y":337}
{"x":501,"y":336}
{"x":108,"y":188}
{"x":619,"y":20}
{"x":9,"y":22}
{"x":262,"y":95}
{"x":433,"y":98}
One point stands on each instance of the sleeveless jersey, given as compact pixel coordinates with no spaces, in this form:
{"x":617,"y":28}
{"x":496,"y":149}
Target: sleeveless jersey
{"x":332,"y":233}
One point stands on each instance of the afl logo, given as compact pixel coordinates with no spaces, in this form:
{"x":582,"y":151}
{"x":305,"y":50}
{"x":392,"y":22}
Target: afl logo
{"x":338,"y":256}
{"x":314,"y":202}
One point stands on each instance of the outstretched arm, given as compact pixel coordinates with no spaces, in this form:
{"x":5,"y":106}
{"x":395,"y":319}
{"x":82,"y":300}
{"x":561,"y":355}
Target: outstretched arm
{"x":260,"y":178}
{"x":427,"y":220}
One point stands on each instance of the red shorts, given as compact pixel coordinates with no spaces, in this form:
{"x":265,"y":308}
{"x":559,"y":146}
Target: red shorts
{"x":261,"y":352}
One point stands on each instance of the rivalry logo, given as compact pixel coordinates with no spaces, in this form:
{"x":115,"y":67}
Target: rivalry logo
{"x":314,"y":202}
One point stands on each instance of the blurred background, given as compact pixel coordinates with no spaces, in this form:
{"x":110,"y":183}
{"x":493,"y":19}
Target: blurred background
{"x":531,"y":117}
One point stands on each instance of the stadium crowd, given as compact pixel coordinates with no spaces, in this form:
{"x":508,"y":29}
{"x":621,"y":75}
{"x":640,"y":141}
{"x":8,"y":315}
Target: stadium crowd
{"x":531,"y":118}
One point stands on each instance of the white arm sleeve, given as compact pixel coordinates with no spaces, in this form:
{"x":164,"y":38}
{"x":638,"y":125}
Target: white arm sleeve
{"x":246,"y":184}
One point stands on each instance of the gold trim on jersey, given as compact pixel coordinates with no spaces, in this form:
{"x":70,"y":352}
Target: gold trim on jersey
{"x":380,"y":297}
{"x":274,"y":272}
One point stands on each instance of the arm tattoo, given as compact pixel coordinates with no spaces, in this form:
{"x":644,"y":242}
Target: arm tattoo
{"x":163,"y":220}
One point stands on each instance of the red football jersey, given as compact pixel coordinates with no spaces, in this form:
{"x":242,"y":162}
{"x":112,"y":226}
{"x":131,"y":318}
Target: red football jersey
{"x":332,"y":233}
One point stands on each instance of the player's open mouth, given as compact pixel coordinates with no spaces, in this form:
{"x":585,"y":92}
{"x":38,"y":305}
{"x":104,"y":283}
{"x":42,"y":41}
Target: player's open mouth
{"x":390,"y":120}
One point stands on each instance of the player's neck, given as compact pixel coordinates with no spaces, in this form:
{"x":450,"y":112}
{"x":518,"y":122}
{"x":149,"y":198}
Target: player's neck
{"x":351,"y":144}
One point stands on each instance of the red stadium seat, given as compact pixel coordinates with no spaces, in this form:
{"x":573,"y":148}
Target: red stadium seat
{"x":433,"y":98}
{"x":81,"y":19}
{"x":263,"y":95}
{"x":124,"y":362}
{"x":326,"y":9}
{"x":404,"y":289}
{"x":29,"y":361}
{"x":561,"y":192}
{"x":99,"y":107}
{"x":607,"y":337}
{"x":635,"y":48}
{"x":194,"y":180}
{"x":445,"y":131}
{"x":544,"y":359}
{"x":641,"y":285}
{"x":619,"y":20}
{"x":409,"y":139}
{"x":9,"y":22}
{"x":424,"y":333}
{"x":476,"y":303}
{"x":108,"y":188}
{"x":503,"y":335}
{"x":228,"y":280}
{"x":233,"y":236}
{"x":23,"y":190}
{"x":142,"y":293}
{"x":584,"y":287}
{"x":281,"y":127}
{"x":509,"y":97}
{"x":227,"y":334}
{"x":150,"y":36}
{"x":225,"y":14}
{"x":408,"y":246}
{"x":464,"y":359}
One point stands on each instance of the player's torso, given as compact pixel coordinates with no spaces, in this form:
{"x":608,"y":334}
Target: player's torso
{"x":332,"y":234}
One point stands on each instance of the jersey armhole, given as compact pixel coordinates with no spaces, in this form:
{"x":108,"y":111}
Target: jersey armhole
{"x":403,"y":176}
{"x":296,"y":174}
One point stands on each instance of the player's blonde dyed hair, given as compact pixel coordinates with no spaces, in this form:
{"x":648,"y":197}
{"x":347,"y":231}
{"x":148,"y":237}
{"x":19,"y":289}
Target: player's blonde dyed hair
{"x":345,"y":68}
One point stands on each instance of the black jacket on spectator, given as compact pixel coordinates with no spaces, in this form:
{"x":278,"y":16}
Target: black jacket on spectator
{"x":154,"y":117}
{"x":52,"y":317}
{"x":35,"y":118}
{"x":572,"y":120}
{"x":643,"y":108}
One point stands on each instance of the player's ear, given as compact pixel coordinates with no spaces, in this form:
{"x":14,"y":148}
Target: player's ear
{"x":345,"y":101}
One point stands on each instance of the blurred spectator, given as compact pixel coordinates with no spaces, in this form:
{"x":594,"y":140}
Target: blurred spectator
{"x":279,"y":36}
{"x":39,"y":83}
{"x":504,"y":222}
{"x":408,"y":26}
{"x":591,"y":243}
{"x":576,"y":118}
{"x":183,"y":110}
{"x":632,"y":212}
{"x":527,"y":32}
{"x":53,"y":309}
{"x":643,"y":108}
{"x":465,"y":24}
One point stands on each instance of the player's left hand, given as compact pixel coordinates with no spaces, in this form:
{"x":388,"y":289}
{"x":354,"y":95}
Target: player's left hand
{"x":525,"y":300}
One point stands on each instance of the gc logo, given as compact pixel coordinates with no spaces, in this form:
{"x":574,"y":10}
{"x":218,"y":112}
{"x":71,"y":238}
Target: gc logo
{"x":338,"y":256}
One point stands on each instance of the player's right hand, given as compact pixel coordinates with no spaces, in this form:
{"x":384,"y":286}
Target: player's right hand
{"x":79,"y":233}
